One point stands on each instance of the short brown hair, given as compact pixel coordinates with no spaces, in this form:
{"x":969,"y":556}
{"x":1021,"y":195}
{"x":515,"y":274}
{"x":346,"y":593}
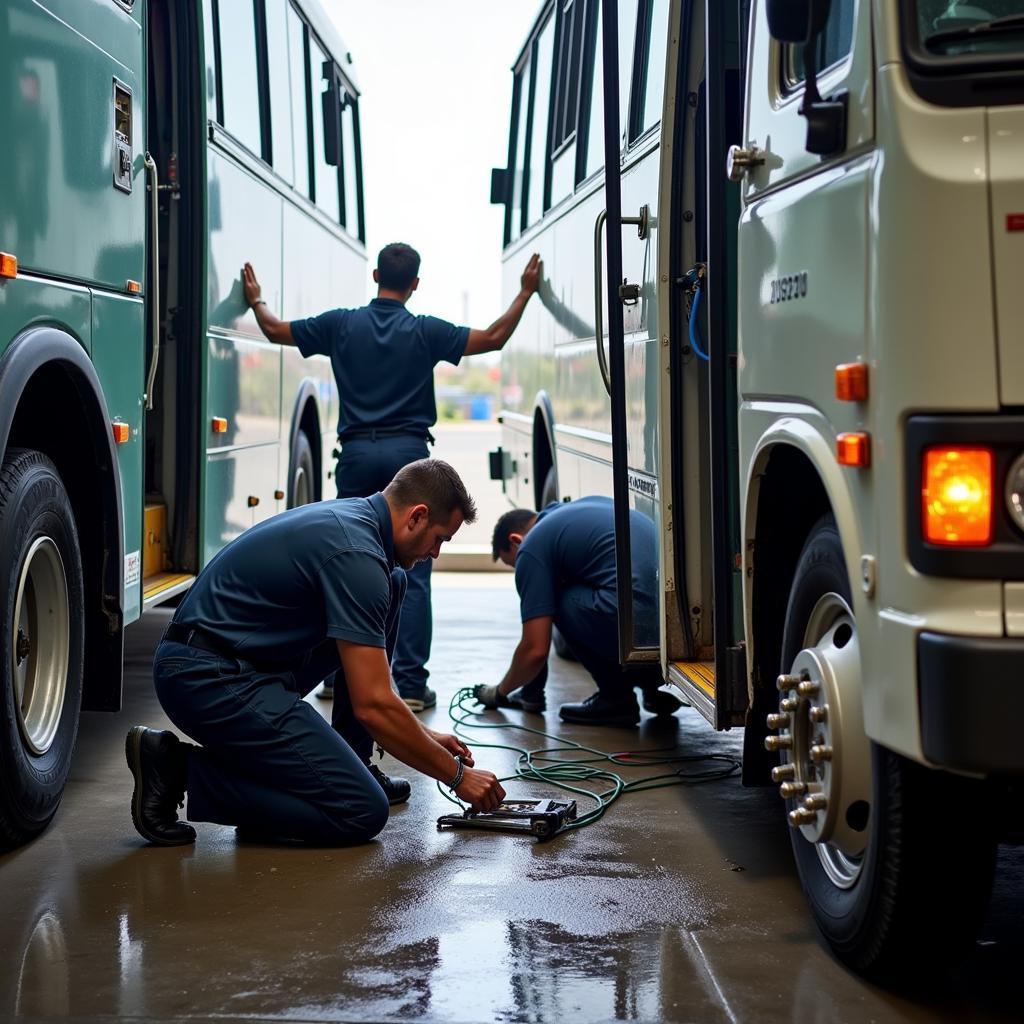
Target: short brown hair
{"x":435,"y":484}
{"x":511,"y":522}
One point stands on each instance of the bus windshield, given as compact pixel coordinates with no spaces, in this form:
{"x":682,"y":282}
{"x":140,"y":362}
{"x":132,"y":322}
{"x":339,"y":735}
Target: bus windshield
{"x":948,"y":28}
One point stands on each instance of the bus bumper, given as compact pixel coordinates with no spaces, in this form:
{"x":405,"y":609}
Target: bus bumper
{"x":971,"y":693}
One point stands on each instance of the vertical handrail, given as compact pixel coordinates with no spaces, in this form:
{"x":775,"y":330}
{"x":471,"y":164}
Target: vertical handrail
{"x":153,"y":289}
{"x":602,"y":359}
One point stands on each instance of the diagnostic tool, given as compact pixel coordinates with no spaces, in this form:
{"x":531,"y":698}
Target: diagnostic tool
{"x":541,"y":818}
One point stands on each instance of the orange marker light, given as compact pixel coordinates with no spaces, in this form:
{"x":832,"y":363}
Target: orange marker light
{"x":852,"y":382}
{"x":122,"y":432}
{"x":8,"y":265}
{"x":956,"y":496}
{"x":219,"y":425}
{"x":279,"y":495}
{"x":133,"y":287}
{"x":853,"y":449}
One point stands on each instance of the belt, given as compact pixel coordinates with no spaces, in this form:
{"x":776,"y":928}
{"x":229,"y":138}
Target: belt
{"x":374,"y":434}
{"x":203,"y":640}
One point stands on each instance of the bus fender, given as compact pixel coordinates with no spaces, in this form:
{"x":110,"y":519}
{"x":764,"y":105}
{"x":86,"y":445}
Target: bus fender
{"x":543,"y":433}
{"x":87,"y":460}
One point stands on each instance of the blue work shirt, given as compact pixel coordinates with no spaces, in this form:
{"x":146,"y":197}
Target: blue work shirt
{"x":383,"y":359}
{"x":317,"y":572}
{"x":573,"y":544}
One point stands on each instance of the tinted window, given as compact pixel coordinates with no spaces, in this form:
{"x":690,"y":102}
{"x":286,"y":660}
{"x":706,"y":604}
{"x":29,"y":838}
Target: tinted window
{"x":627,"y":37}
{"x":539,"y":130}
{"x":325,"y":179}
{"x":522,"y":98}
{"x":209,"y":44}
{"x":350,"y":166}
{"x":834,"y":44}
{"x":594,"y":159}
{"x":239,"y":78}
{"x":280,"y":97}
{"x":652,"y":87}
{"x":567,"y":85}
{"x":299,"y":100}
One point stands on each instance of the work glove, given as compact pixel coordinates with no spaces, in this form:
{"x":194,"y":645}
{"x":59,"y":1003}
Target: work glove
{"x":490,"y":697}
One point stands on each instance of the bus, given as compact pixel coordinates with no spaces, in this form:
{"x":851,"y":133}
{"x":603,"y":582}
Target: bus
{"x":780,"y":317}
{"x":151,"y":149}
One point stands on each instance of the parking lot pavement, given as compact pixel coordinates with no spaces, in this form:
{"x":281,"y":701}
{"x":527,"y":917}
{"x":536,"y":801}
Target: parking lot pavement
{"x":679,"y":905}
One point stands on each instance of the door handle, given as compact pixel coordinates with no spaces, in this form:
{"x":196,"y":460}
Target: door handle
{"x":738,"y":161}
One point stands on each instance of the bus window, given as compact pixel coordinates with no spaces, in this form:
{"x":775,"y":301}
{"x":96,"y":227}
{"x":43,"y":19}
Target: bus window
{"x":299,"y":99}
{"x":325,"y":181}
{"x":539,"y":128}
{"x":210,"y":45}
{"x":280,"y":104}
{"x":521,"y":106}
{"x":566,"y":99}
{"x":594,"y":159}
{"x":652,"y":67}
{"x":239,"y":79}
{"x":350,"y":167}
{"x":834,"y":44}
{"x":627,"y":38}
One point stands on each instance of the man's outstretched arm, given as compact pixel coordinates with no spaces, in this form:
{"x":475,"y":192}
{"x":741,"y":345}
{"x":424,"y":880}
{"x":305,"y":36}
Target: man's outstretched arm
{"x":494,"y":338}
{"x":275,"y":330}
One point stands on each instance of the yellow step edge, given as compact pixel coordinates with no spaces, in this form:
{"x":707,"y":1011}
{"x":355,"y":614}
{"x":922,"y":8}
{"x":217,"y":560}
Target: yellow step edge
{"x":700,"y":673}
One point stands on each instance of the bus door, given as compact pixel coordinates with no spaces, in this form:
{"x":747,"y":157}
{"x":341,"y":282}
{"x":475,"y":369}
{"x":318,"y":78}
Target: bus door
{"x":174,"y":296}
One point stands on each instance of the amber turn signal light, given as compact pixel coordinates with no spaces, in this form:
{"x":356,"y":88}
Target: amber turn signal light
{"x":219,"y":425}
{"x":852,"y":382}
{"x":121,"y":432}
{"x":956,"y":496}
{"x":8,"y":265}
{"x":853,"y":449}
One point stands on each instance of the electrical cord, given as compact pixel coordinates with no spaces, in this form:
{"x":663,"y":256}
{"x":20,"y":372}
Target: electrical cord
{"x":694,"y":326}
{"x":570,"y":774}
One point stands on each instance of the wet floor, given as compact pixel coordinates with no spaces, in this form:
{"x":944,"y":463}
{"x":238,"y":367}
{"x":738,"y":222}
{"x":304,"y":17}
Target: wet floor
{"x":681,"y":904}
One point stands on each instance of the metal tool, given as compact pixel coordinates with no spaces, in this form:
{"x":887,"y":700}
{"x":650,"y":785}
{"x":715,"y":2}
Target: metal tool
{"x":541,"y":818}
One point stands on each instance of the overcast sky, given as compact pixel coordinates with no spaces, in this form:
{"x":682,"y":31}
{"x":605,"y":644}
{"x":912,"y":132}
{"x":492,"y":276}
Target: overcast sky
{"x":436,"y":85}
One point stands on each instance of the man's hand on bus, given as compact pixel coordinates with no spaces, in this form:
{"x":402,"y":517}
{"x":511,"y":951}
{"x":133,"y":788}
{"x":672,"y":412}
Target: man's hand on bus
{"x":530,"y":281}
{"x":253,"y":292}
{"x":278,"y":331}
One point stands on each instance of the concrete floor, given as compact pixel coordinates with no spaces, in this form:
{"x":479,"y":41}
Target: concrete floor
{"x":680,"y":905}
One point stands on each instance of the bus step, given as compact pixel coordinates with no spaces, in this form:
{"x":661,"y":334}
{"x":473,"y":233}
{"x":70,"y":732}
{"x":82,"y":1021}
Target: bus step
{"x":155,"y":530}
{"x":696,"y":681}
{"x":164,"y":585}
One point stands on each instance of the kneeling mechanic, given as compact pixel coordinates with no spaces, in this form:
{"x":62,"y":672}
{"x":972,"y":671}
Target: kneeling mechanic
{"x":313,"y":590}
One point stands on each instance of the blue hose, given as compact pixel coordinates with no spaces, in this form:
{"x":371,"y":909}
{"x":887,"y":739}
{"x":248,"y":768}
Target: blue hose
{"x":694,"y":310}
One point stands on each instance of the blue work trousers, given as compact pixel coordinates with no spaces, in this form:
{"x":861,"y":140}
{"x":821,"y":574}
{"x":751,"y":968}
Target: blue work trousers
{"x":365,"y":467}
{"x":588,"y":620}
{"x":268,"y":761}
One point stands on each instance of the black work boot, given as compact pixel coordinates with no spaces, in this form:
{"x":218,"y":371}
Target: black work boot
{"x":528,"y":698}
{"x":658,"y":702}
{"x":599,"y":710}
{"x":157,"y":760}
{"x":396,"y":790}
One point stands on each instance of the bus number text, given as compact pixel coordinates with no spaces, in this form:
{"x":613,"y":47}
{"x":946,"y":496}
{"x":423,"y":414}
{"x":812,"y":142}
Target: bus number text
{"x":793,"y":286}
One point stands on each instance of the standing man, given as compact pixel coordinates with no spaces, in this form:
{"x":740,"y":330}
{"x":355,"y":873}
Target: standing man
{"x":318,"y":588}
{"x":564,"y":560}
{"x":383,"y":359}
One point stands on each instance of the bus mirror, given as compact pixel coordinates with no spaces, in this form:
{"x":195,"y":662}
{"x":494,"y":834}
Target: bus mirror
{"x":499,"y":185}
{"x":332,"y":117}
{"x":797,"y":21}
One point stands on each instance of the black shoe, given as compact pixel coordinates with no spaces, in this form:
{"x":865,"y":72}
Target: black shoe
{"x":657,"y":702}
{"x":528,"y":698}
{"x":396,"y":790}
{"x":599,"y":710}
{"x":157,"y":760}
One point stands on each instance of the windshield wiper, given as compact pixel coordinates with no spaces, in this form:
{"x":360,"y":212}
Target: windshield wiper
{"x":1008,"y":23}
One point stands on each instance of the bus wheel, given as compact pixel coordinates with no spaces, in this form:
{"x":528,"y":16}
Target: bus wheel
{"x":41,"y":666}
{"x":873,"y":833}
{"x":302,"y":485}
{"x":549,"y":492}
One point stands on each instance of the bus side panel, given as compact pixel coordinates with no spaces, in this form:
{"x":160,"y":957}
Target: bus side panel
{"x":62,"y":213}
{"x":118,"y":354}
{"x":28,"y":301}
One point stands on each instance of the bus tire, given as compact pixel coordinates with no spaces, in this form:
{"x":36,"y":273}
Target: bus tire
{"x":42,"y":601}
{"x":896,"y":907}
{"x":549,"y":492}
{"x":302,"y":486}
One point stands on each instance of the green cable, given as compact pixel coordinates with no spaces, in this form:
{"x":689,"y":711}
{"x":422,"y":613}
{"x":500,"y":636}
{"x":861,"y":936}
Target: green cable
{"x":559,"y":772}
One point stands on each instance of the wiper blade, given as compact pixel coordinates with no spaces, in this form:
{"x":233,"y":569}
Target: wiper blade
{"x":1008,"y":23}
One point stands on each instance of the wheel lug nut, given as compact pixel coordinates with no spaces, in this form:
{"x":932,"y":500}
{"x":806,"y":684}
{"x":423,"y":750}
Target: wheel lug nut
{"x":789,"y":704}
{"x":778,"y":721}
{"x":785,"y":682}
{"x":808,"y":688}
{"x":774,"y":743}
{"x":821,"y":752}
{"x":783,"y":772}
{"x":818,"y":714}
{"x":791,"y":790}
{"x":816,"y":802}
{"x":801,"y":816}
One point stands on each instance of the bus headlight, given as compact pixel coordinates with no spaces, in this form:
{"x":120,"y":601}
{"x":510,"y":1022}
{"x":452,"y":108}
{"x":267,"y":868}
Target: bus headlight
{"x":1015,"y":492}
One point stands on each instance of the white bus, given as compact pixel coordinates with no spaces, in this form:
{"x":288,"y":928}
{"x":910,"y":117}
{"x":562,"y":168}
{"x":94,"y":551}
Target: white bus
{"x":799,"y":350}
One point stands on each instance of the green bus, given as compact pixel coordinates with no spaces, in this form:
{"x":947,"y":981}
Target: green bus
{"x":152,"y":148}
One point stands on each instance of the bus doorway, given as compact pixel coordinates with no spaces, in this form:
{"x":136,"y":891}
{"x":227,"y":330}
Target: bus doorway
{"x":175,"y":274}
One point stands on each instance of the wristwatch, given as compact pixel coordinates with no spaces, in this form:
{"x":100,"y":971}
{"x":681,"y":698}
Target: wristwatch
{"x":259,"y":302}
{"x":454,"y":784}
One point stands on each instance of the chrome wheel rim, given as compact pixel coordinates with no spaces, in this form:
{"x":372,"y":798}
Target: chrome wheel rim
{"x":300,"y":488}
{"x":41,"y":645}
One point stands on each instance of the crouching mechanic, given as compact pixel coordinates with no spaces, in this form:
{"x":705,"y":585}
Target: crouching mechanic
{"x":313,"y":590}
{"x":564,"y":558}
